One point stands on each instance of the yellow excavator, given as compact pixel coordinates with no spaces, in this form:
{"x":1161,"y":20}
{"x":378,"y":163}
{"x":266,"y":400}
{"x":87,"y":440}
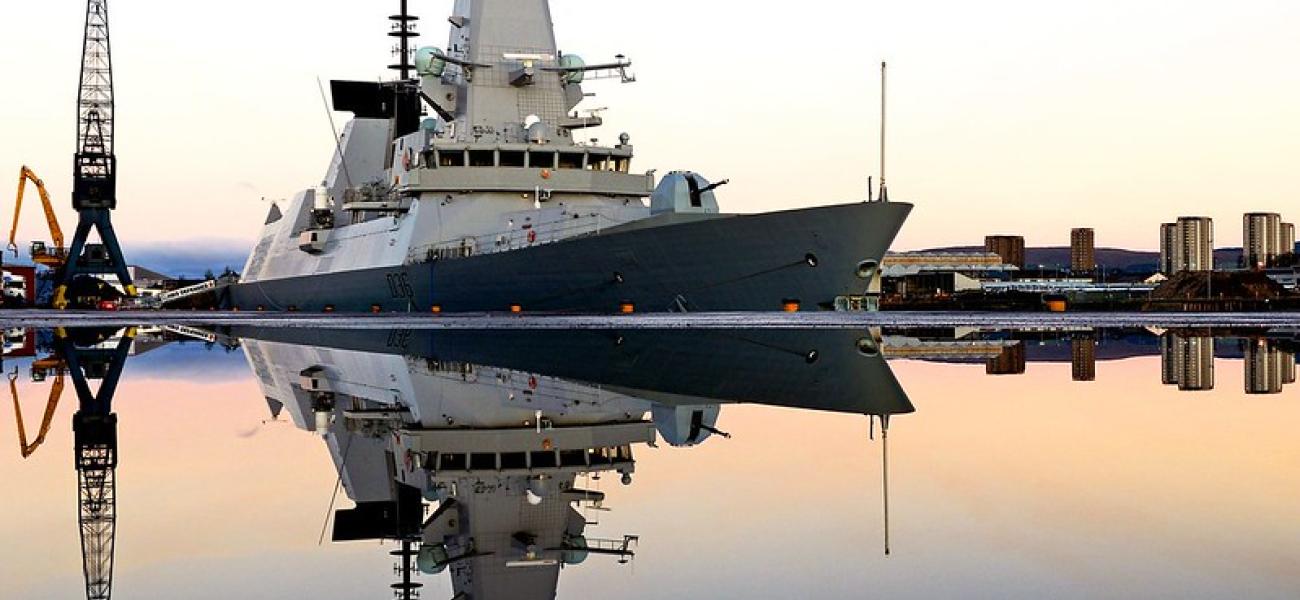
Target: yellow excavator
{"x":55,"y":255}
{"x":40,"y":370}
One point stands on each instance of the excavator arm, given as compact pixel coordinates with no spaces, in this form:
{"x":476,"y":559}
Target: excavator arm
{"x":56,"y":255}
{"x":56,"y":391}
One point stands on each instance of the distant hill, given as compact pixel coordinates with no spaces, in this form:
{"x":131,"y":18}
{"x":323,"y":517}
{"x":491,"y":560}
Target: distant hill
{"x":1058,"y":257}
{"x":190,"y":259}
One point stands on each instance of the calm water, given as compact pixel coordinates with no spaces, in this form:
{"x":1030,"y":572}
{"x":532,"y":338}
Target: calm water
{"x":292,"y":463}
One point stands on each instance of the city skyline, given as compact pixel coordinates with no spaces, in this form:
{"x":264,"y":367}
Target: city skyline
{"x":999,"y":123}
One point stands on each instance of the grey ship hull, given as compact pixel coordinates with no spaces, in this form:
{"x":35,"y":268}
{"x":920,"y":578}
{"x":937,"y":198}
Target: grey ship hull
{"x":716,"y":263}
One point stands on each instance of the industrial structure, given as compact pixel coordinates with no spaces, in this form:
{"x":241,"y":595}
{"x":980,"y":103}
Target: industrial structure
{"x":54,"y":254}
{"x":1010,"y":247}
{"x":94,"y":187}
{"x":938,"y":273}
{"x":84,"y":356}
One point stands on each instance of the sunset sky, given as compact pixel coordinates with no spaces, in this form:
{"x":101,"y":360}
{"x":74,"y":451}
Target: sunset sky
{"x":1006,"y":116}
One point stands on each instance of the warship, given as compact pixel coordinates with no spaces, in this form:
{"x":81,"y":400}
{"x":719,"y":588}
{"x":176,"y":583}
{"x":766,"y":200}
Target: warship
{"x":482,"y":458}
{"x":471,"y":183}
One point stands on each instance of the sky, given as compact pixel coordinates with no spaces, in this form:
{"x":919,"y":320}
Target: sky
{"x":1022,"y":117}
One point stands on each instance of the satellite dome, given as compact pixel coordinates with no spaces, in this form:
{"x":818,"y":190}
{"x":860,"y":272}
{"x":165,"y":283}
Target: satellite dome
{"x":576,"y":550}
{"x":429,"y":62}
{"x":432,"y":559}
{"x":573,"y":61}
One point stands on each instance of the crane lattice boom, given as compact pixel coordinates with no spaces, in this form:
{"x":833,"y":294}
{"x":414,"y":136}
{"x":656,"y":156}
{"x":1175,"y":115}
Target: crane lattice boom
{"x":95,"y":168}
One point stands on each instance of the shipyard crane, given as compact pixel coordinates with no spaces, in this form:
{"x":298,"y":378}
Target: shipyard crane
{"x":94,"y":428}
{"x":94,"y":188}
{"x":55,"y":255}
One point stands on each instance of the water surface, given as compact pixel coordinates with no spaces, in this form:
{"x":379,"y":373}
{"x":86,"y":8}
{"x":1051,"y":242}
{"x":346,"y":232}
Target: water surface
{"x":271,"y":463}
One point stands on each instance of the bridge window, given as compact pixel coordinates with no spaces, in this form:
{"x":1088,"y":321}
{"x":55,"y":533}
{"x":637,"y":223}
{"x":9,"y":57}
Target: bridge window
{"x":544,"y":460}
{"x":541,"y":160}
{"x":451,"y":158}
{"x":624,"y":164}
{"x":514,"y":460}
{"x":482,"y":158}
{"x":571,"y":160}
{"x":483,"y":461}
{"x":598,"y":162}
{"x":512,"y":158}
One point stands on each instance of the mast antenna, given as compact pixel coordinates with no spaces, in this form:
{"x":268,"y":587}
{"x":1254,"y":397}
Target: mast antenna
{"x":403,"y":29}
{"x":884,"y":191}
{"x":884,"y":470}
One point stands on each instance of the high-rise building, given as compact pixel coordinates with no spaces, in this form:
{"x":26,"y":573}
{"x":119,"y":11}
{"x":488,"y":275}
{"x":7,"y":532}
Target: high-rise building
{"x":1288,"y":368}
{"x":1168,"y":239}
{"x":1011,"y":361}
{"x":1187,"y":245}
{"x":1010,"y":247}
{"x":1187,"y":361}
{"x":1286,"y":235}
{"x":1083,"y":251}
{"x":1265,"y":368}
{"x":1083,"y":358}
{"x":1261,"y":239}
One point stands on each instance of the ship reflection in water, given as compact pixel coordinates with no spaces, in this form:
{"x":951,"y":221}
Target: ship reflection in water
{"x":502,"y":433}
{"x":483,"y":460}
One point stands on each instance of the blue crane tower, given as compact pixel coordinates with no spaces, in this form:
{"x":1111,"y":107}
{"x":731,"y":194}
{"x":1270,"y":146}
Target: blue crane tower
{"x":94,"y":188}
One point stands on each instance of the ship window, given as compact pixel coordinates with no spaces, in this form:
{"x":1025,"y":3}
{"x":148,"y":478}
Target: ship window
{"x":451,"y":462}
{"x":598,"y":162}
{"x":482,"y":158}
{"x":573,"y":458}
{"x":570,"y":160}
{"x":451,"y":158}
{"x":597,"y":456}
{"x":512,"y":158}
{"x":625,"y":164}
{"x":544,"y":460}
{"x":481,"y":461}
{"x":541,"y":160}
{"x":514,"y":460}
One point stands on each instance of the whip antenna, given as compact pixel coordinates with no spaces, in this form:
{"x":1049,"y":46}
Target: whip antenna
{"x":884,"y":191}
{"x":338,"y":142}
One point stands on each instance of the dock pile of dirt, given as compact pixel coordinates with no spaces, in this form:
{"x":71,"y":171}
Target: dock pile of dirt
{"x":1235,"y":285}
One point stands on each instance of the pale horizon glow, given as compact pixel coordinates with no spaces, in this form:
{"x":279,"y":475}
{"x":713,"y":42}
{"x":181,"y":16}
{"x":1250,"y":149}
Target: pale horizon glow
{"x":1005,"y":117}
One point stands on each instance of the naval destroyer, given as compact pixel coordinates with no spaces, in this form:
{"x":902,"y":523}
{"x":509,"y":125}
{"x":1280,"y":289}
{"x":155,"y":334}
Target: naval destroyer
{"x":470,"y":183}
{"x":481,"y":452}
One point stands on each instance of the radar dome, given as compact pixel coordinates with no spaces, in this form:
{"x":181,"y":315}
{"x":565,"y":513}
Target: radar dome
{"x":429,"y":62}
{"x":575,"y":550}
{"x":572,"y":63}
{"x":432,"y":559}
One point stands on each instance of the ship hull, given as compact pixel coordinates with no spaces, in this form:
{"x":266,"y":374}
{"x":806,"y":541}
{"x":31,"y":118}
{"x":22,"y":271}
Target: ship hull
{"x":724,"y":263}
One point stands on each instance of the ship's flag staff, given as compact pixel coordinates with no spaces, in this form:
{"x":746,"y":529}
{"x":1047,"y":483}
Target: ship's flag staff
{"x":884,"y":191}
{"x":884,"y":467}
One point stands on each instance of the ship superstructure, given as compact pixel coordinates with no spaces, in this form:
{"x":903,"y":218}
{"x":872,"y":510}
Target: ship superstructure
{"x":476,"y":185}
